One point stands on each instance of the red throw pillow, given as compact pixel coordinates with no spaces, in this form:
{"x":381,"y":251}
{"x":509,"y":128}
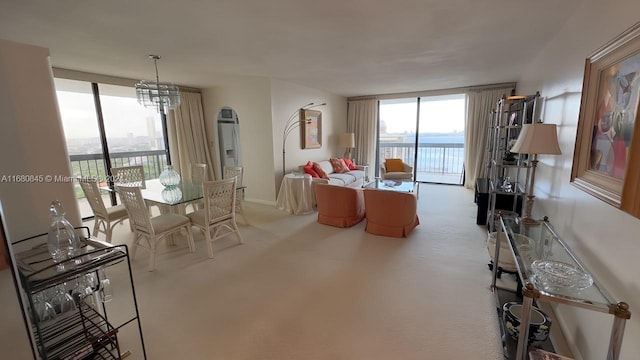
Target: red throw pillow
{"x":308,"y":169}
{"x":338,"y":165}
{"x":320,"y":171}
{"x":350,"y":164}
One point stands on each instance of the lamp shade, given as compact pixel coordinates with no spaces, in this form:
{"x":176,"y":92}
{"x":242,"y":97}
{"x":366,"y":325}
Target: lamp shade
{"x":537,"y":138}
{"x":348,"y":140}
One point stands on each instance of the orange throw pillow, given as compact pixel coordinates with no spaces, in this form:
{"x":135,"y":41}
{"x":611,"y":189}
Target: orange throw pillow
{"x":350,"y":164}
{"x":338,"y":165}
{"x":308,"y":169}
{"x":394,"y":165}
{"x":320,"y":171}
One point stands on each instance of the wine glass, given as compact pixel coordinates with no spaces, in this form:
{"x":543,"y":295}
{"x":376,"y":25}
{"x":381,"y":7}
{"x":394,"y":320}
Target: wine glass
{"x":85,"y":286}
{"x":44,"y":309}
{"x":106,"y":291}
{"x":63,"y":301}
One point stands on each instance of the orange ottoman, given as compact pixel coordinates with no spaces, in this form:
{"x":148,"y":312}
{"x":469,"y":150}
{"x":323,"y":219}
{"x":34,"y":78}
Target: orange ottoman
{"x":340,"y":206}
{"x":390,"y":213}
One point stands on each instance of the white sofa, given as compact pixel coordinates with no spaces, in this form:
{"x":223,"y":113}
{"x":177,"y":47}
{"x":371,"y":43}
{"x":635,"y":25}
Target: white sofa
{"x":353,"y":178}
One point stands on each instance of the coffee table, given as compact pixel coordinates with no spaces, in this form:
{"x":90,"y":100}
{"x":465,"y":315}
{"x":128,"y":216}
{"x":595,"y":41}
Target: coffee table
{"x":394,"y":185}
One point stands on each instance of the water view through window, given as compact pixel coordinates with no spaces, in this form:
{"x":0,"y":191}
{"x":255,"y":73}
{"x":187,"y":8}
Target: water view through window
{"x":426,"y":133}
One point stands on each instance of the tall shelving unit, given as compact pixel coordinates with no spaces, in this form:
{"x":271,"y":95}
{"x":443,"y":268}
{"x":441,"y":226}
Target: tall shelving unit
{"x":507,"y":174}
{"x":85,"y":326}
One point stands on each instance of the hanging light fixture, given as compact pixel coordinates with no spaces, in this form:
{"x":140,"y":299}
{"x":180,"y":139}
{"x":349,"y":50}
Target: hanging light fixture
{"x":161,"y":96}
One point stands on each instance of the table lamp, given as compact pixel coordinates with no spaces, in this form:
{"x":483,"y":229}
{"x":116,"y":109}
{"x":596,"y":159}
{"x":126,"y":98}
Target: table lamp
{"x":347,"y":141}
{"x":535,"y":139}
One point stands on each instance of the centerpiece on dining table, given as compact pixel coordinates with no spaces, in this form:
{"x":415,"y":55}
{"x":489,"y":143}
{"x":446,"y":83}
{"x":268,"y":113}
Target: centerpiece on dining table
{"x":170,"y":179}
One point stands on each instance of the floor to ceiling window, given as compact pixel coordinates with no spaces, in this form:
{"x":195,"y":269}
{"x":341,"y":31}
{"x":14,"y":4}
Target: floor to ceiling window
{"x":102,"y":122}
{"x":426,"y":133}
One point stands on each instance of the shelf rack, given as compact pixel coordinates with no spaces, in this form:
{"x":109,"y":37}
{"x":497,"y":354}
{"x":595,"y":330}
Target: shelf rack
{"x":548,"y":245}
{"x":84,"y":331}
{"x":505,"y":124}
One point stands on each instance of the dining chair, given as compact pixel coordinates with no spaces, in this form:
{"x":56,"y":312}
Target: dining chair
{"x":199,"y":173}
{"x":149,"y":229}
{"x":237,"y":172}
{"x":105,"y":218}
{"x":128,"y":176}
{"x":219,"y":213}
{"x":198,"y":176}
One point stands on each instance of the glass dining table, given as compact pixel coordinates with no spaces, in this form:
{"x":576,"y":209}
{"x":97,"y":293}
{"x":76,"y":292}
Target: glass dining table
{"x":184,"y":193}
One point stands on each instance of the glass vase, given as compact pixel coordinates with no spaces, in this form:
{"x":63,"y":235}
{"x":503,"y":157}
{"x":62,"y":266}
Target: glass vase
{"x":171,"y":194}
{"x":169,"y":177}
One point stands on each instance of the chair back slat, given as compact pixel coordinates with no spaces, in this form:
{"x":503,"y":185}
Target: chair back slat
{"x":129,"y":176}
{"x":219,"y":199}
{"x":136,"y":208}
{"x":233,"y":171}
{"x":94,"y":197}
{"x":198,"y":173}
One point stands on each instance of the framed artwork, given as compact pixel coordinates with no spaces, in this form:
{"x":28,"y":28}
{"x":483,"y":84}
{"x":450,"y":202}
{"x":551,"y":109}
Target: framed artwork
{"x":606,"y":160}
{"x":311,"y":129}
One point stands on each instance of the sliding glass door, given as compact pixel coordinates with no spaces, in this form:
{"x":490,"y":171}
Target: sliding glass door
{"x":440,"y":154}
{"x":426,"y":133}
{"x":105,"y":127}
{"x":397,"y":130}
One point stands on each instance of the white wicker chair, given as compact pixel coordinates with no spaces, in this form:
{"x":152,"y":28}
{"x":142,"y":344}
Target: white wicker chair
{"x":219,"y":213}
{"x":105,"y":218}
{"x":129,"y":176}
{"x":151,"y":229}
{"x":237,"y":172}
{"x":198,"y":176}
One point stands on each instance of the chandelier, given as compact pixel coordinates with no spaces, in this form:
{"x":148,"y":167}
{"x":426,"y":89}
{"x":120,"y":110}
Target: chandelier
{"x":161,"y":96}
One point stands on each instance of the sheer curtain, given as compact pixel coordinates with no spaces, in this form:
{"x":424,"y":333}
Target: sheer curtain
{"x":188,"y":140}
{"x":362,"y":118}
{"x":480,"y":103}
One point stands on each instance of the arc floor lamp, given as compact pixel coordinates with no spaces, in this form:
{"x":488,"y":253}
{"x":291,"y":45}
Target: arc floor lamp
{"x":294,"y":122}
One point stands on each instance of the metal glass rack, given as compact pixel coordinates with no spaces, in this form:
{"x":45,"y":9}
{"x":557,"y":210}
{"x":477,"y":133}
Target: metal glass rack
{"x":83,"y":329}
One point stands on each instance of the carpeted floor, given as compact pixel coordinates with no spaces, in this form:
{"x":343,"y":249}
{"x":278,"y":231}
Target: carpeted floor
{"x":303,"y":291}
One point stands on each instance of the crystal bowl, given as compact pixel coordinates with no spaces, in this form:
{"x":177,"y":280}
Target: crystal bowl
{"x":556,"y":274}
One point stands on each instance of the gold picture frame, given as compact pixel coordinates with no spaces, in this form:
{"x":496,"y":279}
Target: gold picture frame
{"x":606,"y":161}
{"x":311,"y":129}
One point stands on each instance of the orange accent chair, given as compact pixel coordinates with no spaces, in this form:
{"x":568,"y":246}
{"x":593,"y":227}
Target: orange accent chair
{"x":339,"y":206}
{"x":396,"y":169}
{"x":390,"y":213}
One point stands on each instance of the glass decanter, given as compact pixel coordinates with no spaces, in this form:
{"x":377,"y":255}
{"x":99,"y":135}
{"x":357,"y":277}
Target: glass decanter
{"x":62,"y":241}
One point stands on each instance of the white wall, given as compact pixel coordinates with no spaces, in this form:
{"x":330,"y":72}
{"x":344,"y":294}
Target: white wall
{"x":286,"y":99}
{"x":605,"y":238}
{"x":263,"y":107}
{"x":31,"y":143}
{"x":250,"y":98}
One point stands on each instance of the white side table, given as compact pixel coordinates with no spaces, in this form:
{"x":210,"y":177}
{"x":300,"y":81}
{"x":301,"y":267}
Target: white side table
{"x":296,"y":194}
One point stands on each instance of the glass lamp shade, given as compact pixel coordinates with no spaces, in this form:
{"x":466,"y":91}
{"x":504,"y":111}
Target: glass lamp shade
{"x":169,"y":177}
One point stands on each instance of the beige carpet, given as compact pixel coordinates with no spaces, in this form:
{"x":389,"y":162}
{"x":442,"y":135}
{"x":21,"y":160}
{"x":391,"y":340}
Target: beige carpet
{"x":303,"y":291}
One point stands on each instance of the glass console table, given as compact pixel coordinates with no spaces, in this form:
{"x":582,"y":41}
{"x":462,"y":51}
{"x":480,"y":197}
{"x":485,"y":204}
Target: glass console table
{"x":545,"y":250}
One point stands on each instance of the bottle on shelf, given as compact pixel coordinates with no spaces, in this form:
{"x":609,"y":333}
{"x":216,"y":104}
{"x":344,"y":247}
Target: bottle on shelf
{"x":62,"y":241}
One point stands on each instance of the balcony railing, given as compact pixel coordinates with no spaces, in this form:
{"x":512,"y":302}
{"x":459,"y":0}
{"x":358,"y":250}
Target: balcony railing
{"x":92,"y":165}
{"x":437,"y":162}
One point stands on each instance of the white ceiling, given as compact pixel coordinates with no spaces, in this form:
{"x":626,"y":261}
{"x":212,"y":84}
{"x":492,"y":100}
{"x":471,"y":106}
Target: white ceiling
{"x":347,"y":47}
